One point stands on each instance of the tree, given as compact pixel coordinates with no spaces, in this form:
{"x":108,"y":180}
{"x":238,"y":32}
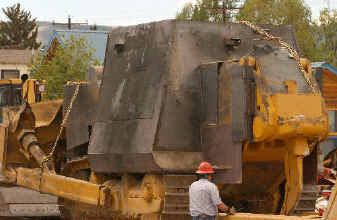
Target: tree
{"x":201,"y":10}
{"x":68,"y":62}
{"x":20,"y":31}
{"x":285,"y":12}
{"x":327,"y":36}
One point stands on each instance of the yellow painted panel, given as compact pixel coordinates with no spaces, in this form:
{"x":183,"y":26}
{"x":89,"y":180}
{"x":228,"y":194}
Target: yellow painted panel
{"x":45,"y":112}
{"x":70,"y":188}
{"x":290,"y":105}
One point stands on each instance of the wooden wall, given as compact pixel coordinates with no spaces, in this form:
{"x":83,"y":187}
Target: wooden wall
{"x":329,"y":89}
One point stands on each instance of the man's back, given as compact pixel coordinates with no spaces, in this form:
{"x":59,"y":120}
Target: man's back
{"x":204,"y":198}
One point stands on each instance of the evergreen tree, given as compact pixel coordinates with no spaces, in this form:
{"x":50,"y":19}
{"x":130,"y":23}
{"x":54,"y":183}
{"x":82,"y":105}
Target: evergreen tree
{"x":20,"y":31}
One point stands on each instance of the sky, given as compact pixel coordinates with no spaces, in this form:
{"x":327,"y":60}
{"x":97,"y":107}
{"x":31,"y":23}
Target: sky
{"x":116,"y":12}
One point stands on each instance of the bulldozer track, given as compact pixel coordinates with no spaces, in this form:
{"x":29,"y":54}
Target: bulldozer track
{"x":308,"y":200}
{"x":176,"y":201}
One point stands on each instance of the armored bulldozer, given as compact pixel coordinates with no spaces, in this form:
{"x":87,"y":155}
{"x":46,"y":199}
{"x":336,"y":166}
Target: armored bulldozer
{"x":173,"y":94}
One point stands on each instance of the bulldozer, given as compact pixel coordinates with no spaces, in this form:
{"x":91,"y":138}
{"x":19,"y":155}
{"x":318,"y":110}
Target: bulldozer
{"x":14,"y":200}
{"x":14,"y":92}
{"x":174,"y":94}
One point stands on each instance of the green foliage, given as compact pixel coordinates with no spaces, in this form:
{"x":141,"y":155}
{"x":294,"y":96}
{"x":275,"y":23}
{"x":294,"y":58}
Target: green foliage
{"x":285,"y":12}
{"x":68,"y":62}
{"x":327,"y":36}
{"x":201,"y":11}
{"x":20,"y":31}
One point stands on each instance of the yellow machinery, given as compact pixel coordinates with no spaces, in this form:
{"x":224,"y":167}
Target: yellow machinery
{"x":174,"y":94}
{"x":14,"y":92}
{"x":18,"y":201}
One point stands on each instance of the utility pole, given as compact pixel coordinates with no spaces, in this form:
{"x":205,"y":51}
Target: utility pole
{"x":329,"y":6}
{"x":69,"y":23}
{"x":224,"y":9}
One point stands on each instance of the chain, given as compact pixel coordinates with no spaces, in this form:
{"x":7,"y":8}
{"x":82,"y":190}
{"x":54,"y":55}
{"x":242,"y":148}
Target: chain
{"x":292,"y":52}
{"x":64,"y":121}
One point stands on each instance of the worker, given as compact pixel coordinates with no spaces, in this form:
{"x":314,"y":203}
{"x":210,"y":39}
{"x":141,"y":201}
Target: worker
{"x":330,"y":166}
{"x":330,"y":161}
{"x":204,"y":196}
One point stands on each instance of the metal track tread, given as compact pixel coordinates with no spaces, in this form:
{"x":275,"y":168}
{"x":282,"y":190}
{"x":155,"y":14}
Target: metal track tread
{"x":308,"y":200}
{"x":176,"y":200}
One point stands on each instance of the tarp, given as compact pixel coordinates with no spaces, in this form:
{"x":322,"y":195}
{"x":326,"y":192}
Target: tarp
{"x":324,"y":65}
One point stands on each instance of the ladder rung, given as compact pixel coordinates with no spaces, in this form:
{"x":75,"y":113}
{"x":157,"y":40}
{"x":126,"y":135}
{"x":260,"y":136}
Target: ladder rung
{"x":176,"y":205}
{"x":176,"y":194}
{"x":175,"y":213}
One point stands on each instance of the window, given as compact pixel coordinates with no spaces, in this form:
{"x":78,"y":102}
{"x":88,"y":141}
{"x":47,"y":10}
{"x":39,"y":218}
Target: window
{"x":332,"y":121}
{"x":17,"y":95}
{"x":10,"y":74}
{"x":4,"y":95}
{"x":10,"y":95}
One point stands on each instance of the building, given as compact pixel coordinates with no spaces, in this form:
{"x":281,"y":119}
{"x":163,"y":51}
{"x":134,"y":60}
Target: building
{"x":14,"y":63}
{"x":326,"y":76}
{"x":47,"y":29}
{"x":97,"y":41}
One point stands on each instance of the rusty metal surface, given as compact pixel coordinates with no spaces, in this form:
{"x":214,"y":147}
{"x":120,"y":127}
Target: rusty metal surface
{"x":121,"y":163}
{"x":188,"y":161}
{"x":82,"y":115}
{"x":223,"y":153}
{"x":132,"y":92}
{"x":277,"y":67}
{"x":217,"y":131}
{"x":260,"y":182}
{"x":227,"y":121}
{"x":151,"y":93}
{"x":185,"y":112}
{"x":243,"y":102}
{"x":45,"y":112}
{"x":209,"y":93}
{"x":310,"y":167}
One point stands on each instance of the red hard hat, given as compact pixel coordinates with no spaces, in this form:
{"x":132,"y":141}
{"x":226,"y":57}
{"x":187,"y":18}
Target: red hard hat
{"x":205,"y":168}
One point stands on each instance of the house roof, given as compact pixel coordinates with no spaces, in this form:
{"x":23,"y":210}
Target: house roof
{"x":324,"y":65}
{"x":47,"y":29}
{"x":97,"y":40}
{"x":11,"y":56}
